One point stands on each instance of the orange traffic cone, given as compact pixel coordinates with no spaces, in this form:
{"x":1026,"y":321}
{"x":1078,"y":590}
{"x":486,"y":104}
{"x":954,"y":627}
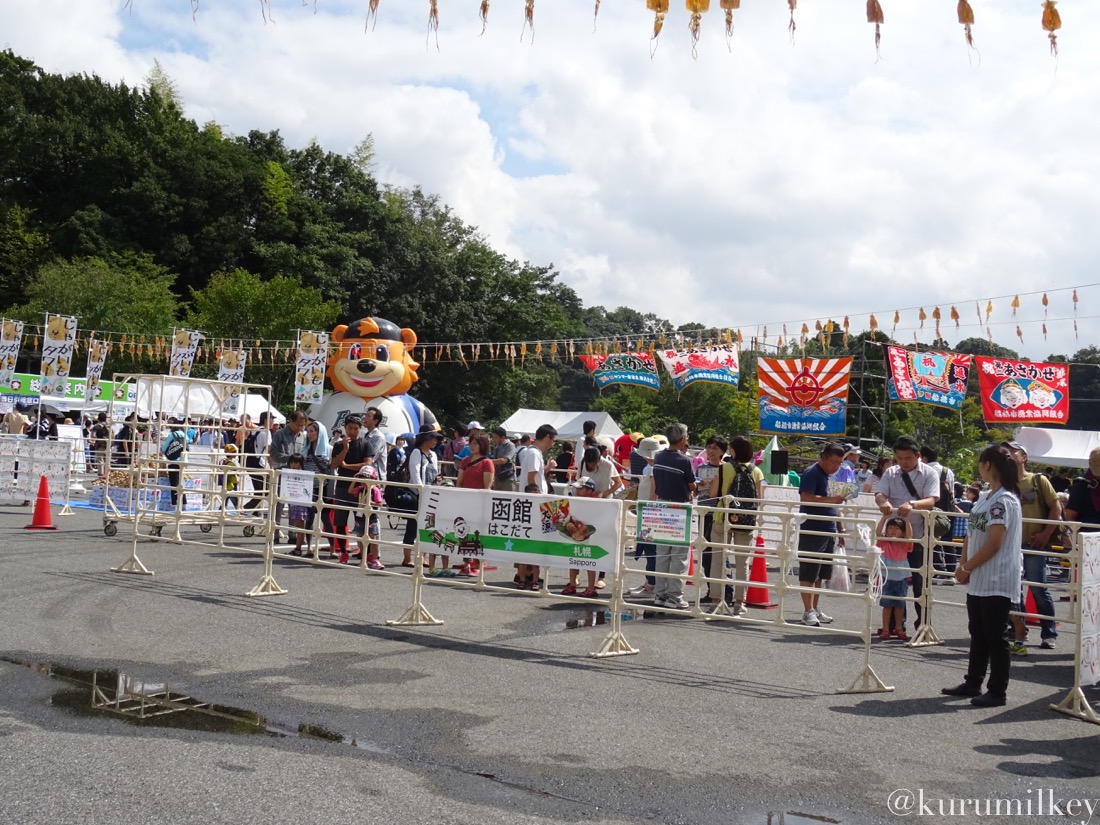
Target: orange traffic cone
{"x":691,"y":567}
{"x":42,"y":520}
{"x":759,"y":597}
{"x":1029,"y":607}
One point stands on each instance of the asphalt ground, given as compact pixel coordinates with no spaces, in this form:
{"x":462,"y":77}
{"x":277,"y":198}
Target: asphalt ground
{"x":498,"y":715}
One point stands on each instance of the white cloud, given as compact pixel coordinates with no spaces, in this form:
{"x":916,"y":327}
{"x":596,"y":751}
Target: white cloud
{"x":760,"y":184}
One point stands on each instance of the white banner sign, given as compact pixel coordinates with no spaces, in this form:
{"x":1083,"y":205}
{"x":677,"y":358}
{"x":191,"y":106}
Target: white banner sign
{"x":296,"y":486}
{"x":11,"y":338}
{"x":57,"y":353}
{"x":1089,"y":638}
{"x":185,"y":343}
{"x":97,"y":356}
{"x":231,"y":371}
{"x":309,"y":370}
{"x":518,"y":528}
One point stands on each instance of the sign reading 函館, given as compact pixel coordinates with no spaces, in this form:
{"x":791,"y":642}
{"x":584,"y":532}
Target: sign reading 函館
{"x":1089,"y":637}
{"x":664,"y":522}
{"x":520,"y":528}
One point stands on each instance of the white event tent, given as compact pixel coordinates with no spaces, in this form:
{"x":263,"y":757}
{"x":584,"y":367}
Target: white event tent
{"x":1058,"y":448}
{"x":570,"y":425}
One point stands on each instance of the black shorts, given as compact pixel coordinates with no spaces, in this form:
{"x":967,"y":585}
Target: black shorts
{"x":812,"y":570}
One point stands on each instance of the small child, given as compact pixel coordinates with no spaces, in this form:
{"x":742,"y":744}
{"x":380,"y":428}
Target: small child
{"x":895,"y":555}
{"x":370,"y":497}
{"x":231,"y":481}
{"x":299,"y":513}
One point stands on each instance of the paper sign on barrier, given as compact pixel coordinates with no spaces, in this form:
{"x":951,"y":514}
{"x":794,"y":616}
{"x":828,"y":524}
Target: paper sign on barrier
{"x":519,"y":528}
{"x":1090,"y":608}
{"x":664,"y":522}
{"x":296,"y":486}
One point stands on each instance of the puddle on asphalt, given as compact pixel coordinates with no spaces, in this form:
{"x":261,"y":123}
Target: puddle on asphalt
{"x":598,"y":618}
{"x":112,"y":693}
{"x":795,"y":818}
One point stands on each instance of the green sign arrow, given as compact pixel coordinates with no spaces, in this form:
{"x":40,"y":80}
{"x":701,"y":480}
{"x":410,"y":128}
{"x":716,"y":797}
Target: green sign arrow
{"x":508,"y":544}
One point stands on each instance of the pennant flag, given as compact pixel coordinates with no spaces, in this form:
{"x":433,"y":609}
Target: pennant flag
{"x":97,"y":356}
{"x":231,"y":371}
{"x":185,"y":343}
{"x":636,"y":368}
{"x":57,"y":353}
{"x":803,"y":395}
{"x":937,"y":378}
{"x":1022,"y":392}
{"x":309,"y":369}
{"x":11,"y":339}
{"x":717,"y":364}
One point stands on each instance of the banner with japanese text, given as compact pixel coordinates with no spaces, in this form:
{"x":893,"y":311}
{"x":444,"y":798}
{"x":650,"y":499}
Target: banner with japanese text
{"x":937,"y":378}
{"x":665,"y":522}
{"x":11,"y":339}
{"x":1022,"y":392}
{"x":806,"y":396}
{"x":717,"y":364}
{"x":57,"y":353}
{"x":231,"y":371}
{"x":185,"y":343}
{"x":635,"y":368}
{"x":309,"y":369}
{"x":519,"y":528}
{"x":1089,"y":634}
{"x":97,"y":357}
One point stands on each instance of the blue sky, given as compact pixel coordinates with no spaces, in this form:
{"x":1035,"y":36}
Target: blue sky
{"x":760,"y":184}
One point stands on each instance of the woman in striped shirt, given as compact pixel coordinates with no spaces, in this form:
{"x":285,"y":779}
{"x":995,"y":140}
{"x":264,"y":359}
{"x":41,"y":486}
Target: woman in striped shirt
{"x":990,"y":567}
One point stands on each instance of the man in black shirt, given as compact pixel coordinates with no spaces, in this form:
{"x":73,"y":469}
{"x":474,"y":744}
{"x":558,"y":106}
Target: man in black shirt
{"x":673,"y":481}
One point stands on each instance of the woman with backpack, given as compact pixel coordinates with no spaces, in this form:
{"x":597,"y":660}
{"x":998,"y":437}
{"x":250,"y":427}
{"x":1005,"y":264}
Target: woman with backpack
{"x":742,"y":482}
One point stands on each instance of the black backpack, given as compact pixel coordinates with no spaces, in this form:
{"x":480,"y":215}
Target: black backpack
{"x":946,"y":501}
{"x":175,"y":446}
{"x":249,"y":445}
{"x":399,"y":498}
{"x":742,"y":488}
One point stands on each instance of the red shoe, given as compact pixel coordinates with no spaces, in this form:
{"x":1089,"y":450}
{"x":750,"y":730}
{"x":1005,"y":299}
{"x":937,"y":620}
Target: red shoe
{"x":590,"y":593}
{"x":569,"y":590}
{"x":901,"y":635}
{"x":884,"y":635}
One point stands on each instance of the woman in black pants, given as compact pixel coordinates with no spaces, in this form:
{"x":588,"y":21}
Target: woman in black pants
{"x":423,"y":470}
{"x":990,"y":568}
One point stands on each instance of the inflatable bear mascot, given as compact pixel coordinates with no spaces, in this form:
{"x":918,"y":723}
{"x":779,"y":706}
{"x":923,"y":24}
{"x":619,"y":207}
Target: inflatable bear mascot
{"x":372,"y":366}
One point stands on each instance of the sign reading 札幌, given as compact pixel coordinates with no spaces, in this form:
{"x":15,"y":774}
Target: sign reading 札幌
{"x":309,"y":369}
{"x":1089,"y":636}
{"x":664,"y":522}
{"x":517,"y":528}
{"x":11,"y":337}
{"x":231,"y":371}
{"x":185,"y":343}
{"x":937,"y":378}
{"x":717,"y":364}
{"x":803,"y":395}
{"x":636,"y":368}
{"x":1021,"y":392}
{"x":57,"y":352}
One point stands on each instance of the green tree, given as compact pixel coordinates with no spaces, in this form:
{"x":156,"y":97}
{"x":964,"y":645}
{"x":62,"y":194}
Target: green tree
{"x":22,"y":251}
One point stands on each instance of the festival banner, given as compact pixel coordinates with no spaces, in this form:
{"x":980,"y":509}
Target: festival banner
{"x":803,"y":395}
{"x":717,"y":364}
{"x":1022,"y":392}
{"x":97,"y":356}
{"x":231,"y":371}
{"x":185,"y":343}
{"x":520,"y":528}
{"x":11,"y":338}
{"x":57,"y":353}
{"x":309,"y":371}
{"x":937,"y":378}
{"x":1088,"y":635}
{"x":636,"y":368}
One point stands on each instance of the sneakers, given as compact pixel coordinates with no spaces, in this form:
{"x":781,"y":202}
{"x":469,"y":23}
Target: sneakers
{"x":1017,"y":649}
{"x":640,"y":590}
{"x":810,"y":618}
{"x":676,"y":603}
{"x":1048,"y":644}
{"x":659,"y":601}
{"x":739,"y":609}
{"x":822,"y":618}
{"x":375,"y":564}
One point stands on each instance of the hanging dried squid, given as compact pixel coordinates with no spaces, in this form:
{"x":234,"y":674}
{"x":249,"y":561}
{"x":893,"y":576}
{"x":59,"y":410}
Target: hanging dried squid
{"x":728,"y":6}
{"x":433,"y":23}
{"x":874,"y":15}
{"x":792,"y":5}
{"x":659,"y":9}
{"x":696,"y":8}
{"x":528,"y":20}
{"x":372,"y":16}
{"x":966,"y":17}
{"x":483,"y":13}
{"x":1052,"y":21}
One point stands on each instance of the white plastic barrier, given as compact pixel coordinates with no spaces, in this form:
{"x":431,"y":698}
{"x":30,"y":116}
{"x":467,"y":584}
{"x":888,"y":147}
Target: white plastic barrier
{"x":23,"y":462}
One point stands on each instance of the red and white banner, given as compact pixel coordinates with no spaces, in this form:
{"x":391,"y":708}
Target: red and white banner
{"x":1022,"y":392}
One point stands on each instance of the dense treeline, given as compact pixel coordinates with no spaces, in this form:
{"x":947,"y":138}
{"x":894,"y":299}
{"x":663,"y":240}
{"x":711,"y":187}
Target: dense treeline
{"x":118,"y":209}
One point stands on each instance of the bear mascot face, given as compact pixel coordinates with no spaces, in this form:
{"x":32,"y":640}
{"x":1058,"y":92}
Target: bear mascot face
{"x":371,"y":365}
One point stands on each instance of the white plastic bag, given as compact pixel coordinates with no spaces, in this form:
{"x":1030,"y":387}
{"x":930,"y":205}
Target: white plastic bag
{"x":838,"y":581}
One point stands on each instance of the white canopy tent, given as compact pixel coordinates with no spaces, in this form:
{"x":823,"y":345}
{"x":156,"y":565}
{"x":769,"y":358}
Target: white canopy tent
{"x":570,"y":425}
{"x":254,"y":404}
{"x":1058,"y":448}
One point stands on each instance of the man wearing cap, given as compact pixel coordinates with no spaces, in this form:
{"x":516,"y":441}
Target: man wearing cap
{"x":909,"y":488}
{"x":673,"y":481}
{"x":348,"y":460}
{"x":472,"y":429}
{"x":1038,"y":501}
{"x":503,"y":455}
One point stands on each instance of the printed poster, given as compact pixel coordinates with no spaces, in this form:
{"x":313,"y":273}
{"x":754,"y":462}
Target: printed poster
{"x":937,"y":378}
{"x":97,"y":357}
{"x":309,"y":370}
{"x":11,"y":338}
{"x":1089,"y":637}
{"x":296,"y":486}
{"x":57,"y":353}
{"x":664,"y":522}
{"x":519,"y":528}
{"x":1022,"y":392}
{"x":231,"y":371}
{"x":185,"y":343}
{"x":716,"y":364}
{"x":635,"y":368}
{"x":805,"y":396}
